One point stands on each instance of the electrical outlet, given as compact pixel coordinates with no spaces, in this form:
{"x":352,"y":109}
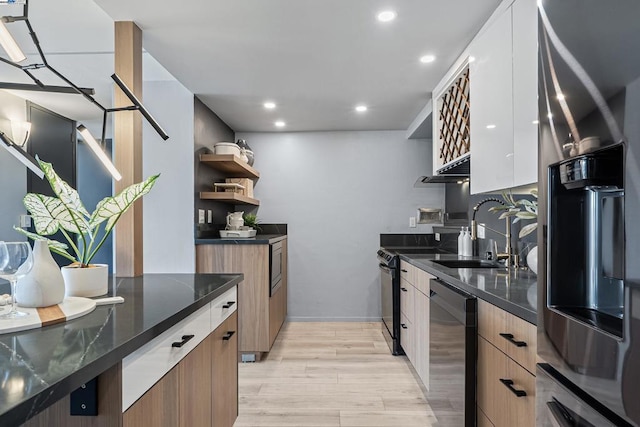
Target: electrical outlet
{"x":437,"y":237}
{"x":412,"y":222}
{"x":200,"y":216}
{"x":25,"y":221}
{"x":209,"y":216}
{"x":481,"y":230}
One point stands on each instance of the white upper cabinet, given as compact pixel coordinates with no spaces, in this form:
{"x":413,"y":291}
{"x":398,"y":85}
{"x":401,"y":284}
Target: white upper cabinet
{"x":503,"y":98}
{"x":525,"y":92}
{"x":491,"y":99}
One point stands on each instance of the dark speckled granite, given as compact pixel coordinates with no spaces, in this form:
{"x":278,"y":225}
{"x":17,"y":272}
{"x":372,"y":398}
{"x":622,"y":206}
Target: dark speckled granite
{"x":514,"y":291}
{"x":260,"y":239}
{"x":40,"y":366}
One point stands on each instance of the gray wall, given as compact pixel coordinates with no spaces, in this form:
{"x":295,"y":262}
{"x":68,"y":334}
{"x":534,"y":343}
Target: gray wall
{"x":13,"y":175}
{"x":337,"y":191}
{"x":168,"y":226}
{"x":208,"y":129}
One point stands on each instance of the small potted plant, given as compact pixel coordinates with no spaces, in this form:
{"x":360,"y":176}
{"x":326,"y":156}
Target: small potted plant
{"x":522,"y":210}
{"x":251,"y":221}
{"x":67,"y":214}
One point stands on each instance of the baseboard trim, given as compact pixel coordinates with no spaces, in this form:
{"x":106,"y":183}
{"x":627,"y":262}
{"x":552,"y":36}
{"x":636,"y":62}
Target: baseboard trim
{"x":332,"y":319}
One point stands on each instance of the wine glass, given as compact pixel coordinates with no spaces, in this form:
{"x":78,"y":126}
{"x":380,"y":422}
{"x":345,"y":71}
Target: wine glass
{"x":16,"y":261}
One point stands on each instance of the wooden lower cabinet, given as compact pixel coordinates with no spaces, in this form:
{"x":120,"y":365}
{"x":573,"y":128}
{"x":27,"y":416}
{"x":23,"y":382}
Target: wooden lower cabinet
{"x":500,"y":380}
{"x":482,"y":420}
{"x":200,"y":391}
{"x":224,"y":343}
{"x":159,"y":406}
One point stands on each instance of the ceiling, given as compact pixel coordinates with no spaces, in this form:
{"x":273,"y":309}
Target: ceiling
{"x":315,"y":59}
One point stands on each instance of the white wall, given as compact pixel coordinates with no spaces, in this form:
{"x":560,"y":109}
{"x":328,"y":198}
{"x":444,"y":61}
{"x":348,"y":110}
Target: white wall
{"x":338,"y":191}
{"x":13,"y":174}
{"x":168,"y":208}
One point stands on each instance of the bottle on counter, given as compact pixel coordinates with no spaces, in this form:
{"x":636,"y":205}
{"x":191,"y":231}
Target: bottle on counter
{"x":461,"y":242}
{"x":467,"y":244}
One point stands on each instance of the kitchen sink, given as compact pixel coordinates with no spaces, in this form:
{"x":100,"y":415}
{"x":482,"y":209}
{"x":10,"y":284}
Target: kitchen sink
{"x":468,"y":263}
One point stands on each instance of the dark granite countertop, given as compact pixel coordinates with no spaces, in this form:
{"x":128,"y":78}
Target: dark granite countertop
{"x":514,"y":291}
{"x":40,"y":366}
{"x":260,"y":239}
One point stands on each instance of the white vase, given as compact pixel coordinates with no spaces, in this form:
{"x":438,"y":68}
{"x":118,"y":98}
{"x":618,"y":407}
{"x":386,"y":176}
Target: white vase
{"x":44,"y":285}
{"x":86,"y":282}
{"x":532,"y":259}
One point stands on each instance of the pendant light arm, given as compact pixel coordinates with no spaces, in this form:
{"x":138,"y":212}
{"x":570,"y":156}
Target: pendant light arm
{"x":103,"y":141}
{"x":76,"y":88}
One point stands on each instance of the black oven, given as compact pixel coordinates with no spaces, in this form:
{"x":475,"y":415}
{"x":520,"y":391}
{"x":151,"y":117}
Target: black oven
{"x":388,"y":264}
{"x":275,"y":267}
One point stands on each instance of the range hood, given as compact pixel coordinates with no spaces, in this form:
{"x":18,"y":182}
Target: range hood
{"x":456,"y":171}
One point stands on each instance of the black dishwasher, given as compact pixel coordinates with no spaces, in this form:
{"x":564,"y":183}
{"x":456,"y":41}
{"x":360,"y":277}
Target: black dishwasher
{"x":453,"y":347}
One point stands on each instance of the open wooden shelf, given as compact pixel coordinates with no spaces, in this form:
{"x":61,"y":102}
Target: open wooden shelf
{"x":232,"y":165}
{"x":228,"y":197}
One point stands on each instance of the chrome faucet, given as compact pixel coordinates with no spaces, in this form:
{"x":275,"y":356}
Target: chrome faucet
{"x":508,"y":255}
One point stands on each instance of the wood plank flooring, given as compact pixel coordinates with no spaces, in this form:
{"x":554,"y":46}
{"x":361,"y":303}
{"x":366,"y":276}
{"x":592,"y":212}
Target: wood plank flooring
{"x":331,"y":374}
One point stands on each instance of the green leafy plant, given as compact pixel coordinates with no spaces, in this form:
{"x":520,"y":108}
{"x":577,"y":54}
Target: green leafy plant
{"x":520,"y":209}
{"x":67,"y":214}
{"x":251,"y":220}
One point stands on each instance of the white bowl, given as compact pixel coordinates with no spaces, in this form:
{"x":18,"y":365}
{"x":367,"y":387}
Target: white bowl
{"x":226,"y":148}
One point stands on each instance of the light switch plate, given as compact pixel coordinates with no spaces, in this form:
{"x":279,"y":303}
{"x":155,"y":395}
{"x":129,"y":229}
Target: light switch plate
{"x":481,"y":231}
{"x":200,"y":216}
{"x":412,"y":222}
{"x":209,"y":216}
{"x":25,"y":221}
{"x":437,"y":237}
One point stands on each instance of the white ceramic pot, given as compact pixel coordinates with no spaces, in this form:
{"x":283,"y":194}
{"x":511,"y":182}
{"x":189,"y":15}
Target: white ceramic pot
{"x":44,"y":285}
{"x":226,"y":148}
{"x":86,"y":282}
{"x":532,"y":259}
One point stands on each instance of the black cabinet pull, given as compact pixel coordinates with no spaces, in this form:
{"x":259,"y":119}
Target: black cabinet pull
{"x":185,"y":339}
{"x":509,"y":337}
{"x":509,"y":384}
{"x":228,"y":335}
{"x":404,"y":289}
{"x":404,"y":326}
{"x":404,"y":271}
{"x":228,"y":304}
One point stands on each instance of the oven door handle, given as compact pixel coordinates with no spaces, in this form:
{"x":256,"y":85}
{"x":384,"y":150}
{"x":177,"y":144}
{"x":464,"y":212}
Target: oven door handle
{"x":564,"y":417}
{"x":385,"y":269}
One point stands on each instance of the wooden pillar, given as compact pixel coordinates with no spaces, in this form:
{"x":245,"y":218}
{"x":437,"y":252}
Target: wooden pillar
{"x":128,"y":146}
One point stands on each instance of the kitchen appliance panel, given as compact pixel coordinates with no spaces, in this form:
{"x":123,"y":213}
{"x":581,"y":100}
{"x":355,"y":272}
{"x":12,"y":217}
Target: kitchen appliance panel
{"x":588,"y":283}
{"x":452,"y":352}
{"x":388,"y":265}
{"x":275,"y":266}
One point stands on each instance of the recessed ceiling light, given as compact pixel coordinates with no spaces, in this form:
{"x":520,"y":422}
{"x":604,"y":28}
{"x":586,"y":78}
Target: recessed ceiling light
{"x":560,"y":96}
{"x":427,"y":59}
{"x":361,"y":108}
{"x":535,"y":122}
{"x":269,"y":105}
{"x":280,"y":124}
{"x":387,"y":15}
{"x":472,"y":58}
{"x":491,"y":126}
{"x":550,"y":115}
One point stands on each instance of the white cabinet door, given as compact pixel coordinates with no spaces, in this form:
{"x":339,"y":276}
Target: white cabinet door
{"x":491,"y":99}
{"x":525,"y":92}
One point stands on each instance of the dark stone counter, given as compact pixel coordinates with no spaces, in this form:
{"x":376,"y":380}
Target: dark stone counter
{"x":260,"y":239}
{"x":40,"y":366}
{"x":514,"y":291}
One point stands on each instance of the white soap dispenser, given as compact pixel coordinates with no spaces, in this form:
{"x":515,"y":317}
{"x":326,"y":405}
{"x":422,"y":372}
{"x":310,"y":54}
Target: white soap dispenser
{"x":467,"y":244}
{"x":461,"y":242}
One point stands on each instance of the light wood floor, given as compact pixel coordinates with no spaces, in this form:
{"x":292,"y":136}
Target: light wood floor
{"x":331,"y":374}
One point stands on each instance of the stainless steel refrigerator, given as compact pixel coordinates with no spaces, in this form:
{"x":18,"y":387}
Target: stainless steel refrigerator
{"x":589,"y":179}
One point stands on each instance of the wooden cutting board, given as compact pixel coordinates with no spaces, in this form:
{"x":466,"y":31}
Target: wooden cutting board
{"x":70,"y":308}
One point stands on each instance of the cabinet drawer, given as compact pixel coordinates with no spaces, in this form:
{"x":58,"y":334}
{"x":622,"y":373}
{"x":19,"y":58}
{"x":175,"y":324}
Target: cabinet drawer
{"x":223,"y":307}
{"x":499,"y":381}
{"x":407,"y":296}
{"x":407,"y":271}
{"x":422,"y":279}
{"x":145,"y":366}
{"x":406,"y":337}
{"x":514,"y":336}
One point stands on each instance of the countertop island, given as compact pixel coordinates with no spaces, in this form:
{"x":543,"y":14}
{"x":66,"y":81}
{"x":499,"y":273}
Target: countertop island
{"x":43,"y":365}
{"x":515,"y":291}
